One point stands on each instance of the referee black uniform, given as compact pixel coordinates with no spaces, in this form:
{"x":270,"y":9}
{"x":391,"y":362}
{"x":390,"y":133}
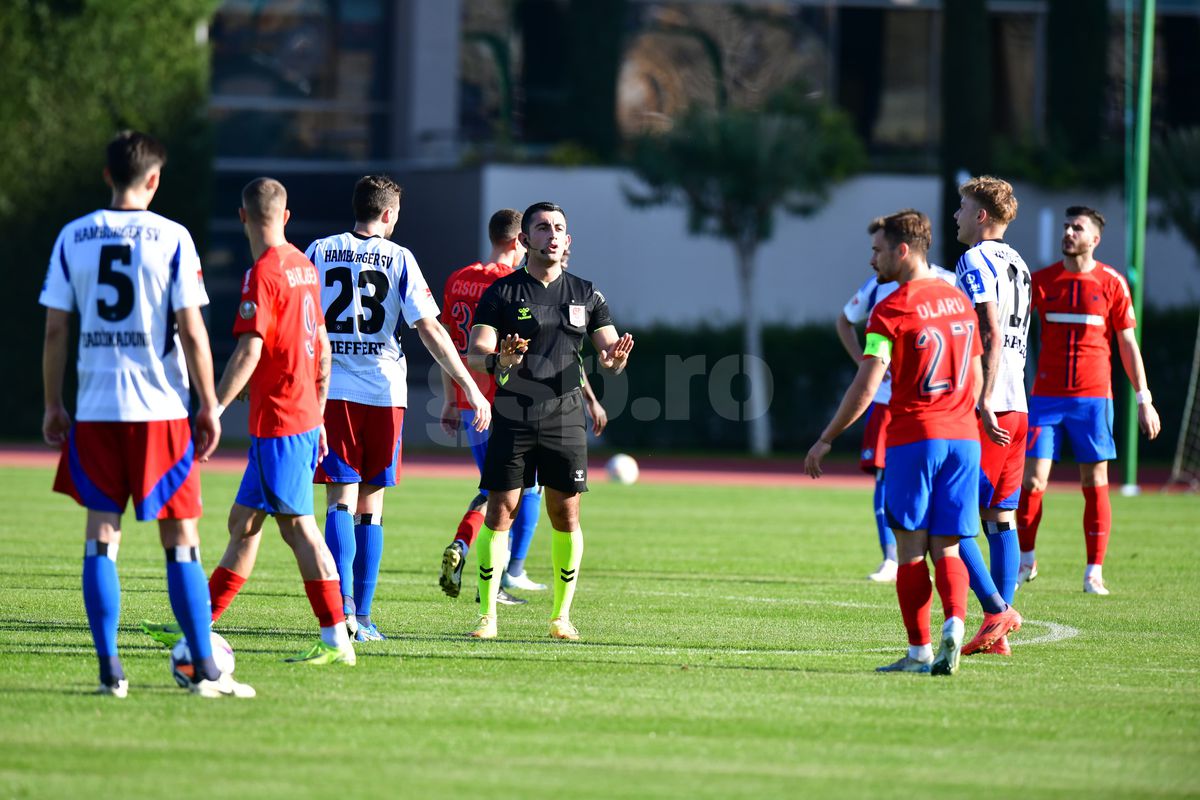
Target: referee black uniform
{"x":539,"y":432}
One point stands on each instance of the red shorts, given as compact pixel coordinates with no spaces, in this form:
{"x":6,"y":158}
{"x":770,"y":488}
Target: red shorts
{"x":104,"y":463}
{"x":874,"y":443}
{"x":1002,"y":468}
{"x":364,"y":444}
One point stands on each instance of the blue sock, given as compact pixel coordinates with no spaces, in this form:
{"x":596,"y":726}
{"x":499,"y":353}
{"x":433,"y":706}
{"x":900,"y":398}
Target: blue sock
{"x":102,"y":599}
{"x":339,"y":538}
{"x":366,"y":564}
{"x":1005,"y":553}
{"x":523,"y":528}
{"x":887,"y":539}
{"x":981,"y":579}
{"x":187,"y":586}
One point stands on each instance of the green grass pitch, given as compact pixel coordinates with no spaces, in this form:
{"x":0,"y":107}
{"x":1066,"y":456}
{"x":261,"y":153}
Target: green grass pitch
{"x":729,"y":647}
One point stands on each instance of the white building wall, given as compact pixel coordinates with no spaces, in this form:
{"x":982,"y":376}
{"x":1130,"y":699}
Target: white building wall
{"x":653,"y":271}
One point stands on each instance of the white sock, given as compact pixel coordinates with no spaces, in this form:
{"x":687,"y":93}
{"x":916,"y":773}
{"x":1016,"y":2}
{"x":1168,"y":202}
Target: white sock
{"x":920,"y":652}
{"x":955,"y":627}
{"x":335,"y":635}
{"x":1028,"y":557}
{"x":1093,"y":570}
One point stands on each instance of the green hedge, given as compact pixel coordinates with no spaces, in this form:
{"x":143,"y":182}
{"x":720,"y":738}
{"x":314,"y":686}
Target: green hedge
{"x":811,"y":372}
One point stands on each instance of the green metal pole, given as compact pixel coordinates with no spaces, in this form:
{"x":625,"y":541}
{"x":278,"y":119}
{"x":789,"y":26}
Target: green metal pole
{"x":1137,"y":266}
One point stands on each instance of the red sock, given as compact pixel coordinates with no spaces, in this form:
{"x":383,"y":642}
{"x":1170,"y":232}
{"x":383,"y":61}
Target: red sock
{"x":952,"y":583}
{"x":468,"y":529}
{"x":325,"y":597}
{"x":223,"y":586}
{"x":915,"y":594}
{"x":1029,"y":516}
{"x":1097,"y":522}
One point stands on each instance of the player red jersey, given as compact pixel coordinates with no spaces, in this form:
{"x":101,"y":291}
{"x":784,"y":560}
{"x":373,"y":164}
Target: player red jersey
{"x":932,"y":331}
{"x":280,"y":303}
{"x":463,"y":290}
{"x":1080,"y":312}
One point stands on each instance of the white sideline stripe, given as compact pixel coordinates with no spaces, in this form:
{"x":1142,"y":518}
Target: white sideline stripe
{"x":1077,"y":319}
{"x":1055,"y":632}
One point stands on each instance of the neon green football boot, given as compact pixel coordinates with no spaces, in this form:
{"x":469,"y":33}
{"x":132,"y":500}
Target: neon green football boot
{"x":321,"y":653}
{"x":165,"y":634}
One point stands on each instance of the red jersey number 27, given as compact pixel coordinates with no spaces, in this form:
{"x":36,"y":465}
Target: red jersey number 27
{"x":941,"y":374}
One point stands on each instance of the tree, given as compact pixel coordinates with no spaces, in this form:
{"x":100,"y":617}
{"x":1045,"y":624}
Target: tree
{"x":1175,"y":181}
{"x":733,"y":170}
{"x":74,"y":74}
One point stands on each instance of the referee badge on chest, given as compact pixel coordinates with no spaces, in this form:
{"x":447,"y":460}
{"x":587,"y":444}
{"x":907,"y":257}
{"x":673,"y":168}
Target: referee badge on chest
{"x":577,"y":315}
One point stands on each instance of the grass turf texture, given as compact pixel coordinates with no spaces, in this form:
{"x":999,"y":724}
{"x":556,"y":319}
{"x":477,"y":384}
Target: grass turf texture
{"x":729,"y":647}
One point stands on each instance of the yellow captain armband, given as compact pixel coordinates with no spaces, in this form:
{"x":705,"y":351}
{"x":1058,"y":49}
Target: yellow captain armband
{"x":879,"y":346}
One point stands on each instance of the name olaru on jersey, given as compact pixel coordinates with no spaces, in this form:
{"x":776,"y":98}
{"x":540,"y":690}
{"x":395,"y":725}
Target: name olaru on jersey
{"x":859,"y":307}
{"x":126,"y":273}
{"x":993,"y":272}
{"x":368,"y":286}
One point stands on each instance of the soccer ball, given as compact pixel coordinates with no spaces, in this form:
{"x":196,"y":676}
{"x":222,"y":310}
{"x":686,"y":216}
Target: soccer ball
{"x":622,"y":469}
{"x":182,"y":668}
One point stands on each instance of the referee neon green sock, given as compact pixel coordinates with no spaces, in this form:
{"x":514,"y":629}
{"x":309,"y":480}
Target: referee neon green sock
{"x":492,"y":555}
{"x":566,"y":552}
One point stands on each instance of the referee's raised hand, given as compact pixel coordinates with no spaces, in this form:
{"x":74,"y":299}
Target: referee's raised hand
{"x":616,"y":356}
{"x":512,"y":351}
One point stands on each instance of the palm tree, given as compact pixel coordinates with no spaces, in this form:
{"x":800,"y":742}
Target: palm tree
{"x":733,"y":169}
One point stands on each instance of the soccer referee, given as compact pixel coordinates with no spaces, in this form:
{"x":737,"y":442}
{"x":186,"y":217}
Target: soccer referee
{"x":528,"y":332}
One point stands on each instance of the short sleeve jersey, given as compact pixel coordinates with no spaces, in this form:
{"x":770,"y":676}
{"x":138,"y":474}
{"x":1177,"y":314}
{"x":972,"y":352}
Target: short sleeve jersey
{"x":994,"y":272}
{"x":931,"y":329}
{"x":859,"y":307}
{"x":464,"y":287}
{"x":280,"y":303}
{"x":555,"y":319}
{"x":126,"y":273}
{"x":1080,"y":312}
{"x":369,"y":286}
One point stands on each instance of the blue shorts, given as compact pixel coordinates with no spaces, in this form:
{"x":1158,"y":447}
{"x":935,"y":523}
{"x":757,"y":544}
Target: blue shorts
{"x":933,"y":485}
{"x":279,"y":475}
{"x":1087,"y":422}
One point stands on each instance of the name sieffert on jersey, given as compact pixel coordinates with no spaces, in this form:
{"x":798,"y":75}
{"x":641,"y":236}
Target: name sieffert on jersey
{"x":353,"y":348}
{"x":301,"y":276}
{"x":945,"y":305}
{"x":355,"y":257}
{"x":113,"y":339}
{"x":124,"y":232}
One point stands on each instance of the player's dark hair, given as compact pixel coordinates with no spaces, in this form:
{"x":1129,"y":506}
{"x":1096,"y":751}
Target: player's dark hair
{"x":504,"y":226}
{"x":264,"y":199}
{"x":131,"y":155}
{"x":1089,"y":212}
{"x":535,"y":208}
{"x":994,"y":195}
{"x":908,"y":226}
{"x":373,"y":194}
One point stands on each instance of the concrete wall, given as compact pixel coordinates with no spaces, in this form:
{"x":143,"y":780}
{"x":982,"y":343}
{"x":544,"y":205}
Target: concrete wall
{"x":652,"y":270}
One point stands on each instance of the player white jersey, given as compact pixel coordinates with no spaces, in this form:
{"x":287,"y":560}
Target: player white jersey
{"x":993,"y":272}
{"x":127,"y":273}
{"x":368,"y":286}
{"x":858,"y":310}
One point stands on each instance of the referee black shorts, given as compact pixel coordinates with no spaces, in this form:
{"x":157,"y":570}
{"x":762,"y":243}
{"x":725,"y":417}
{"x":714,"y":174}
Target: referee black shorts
{"x":547,"y":445}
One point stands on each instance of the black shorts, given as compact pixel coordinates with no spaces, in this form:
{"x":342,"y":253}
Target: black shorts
{"x":546,"y":445}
